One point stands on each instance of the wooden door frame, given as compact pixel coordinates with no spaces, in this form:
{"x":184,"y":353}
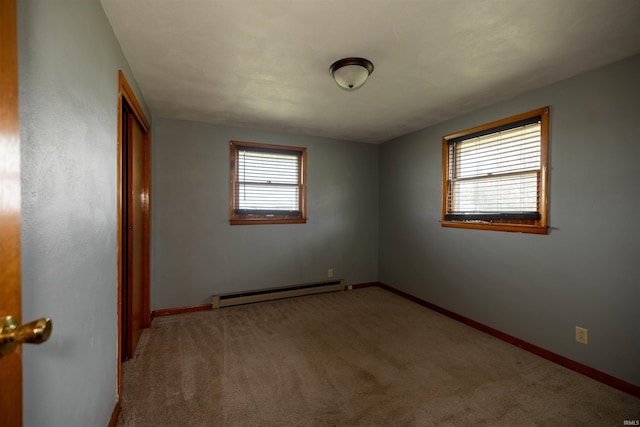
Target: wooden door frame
{"x":126,"y":94}
{"x":10,"y":272}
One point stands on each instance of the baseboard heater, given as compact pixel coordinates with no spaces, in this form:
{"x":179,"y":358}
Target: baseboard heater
{"x":246,"y":297}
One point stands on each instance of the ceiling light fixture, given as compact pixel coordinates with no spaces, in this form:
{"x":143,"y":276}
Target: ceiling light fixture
{"x":351,"y":73}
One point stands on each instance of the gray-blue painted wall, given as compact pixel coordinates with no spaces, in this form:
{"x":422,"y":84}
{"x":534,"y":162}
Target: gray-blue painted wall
{"x":196,"y":253}
{"x":68,"y":82}
{"x":538,"y":288}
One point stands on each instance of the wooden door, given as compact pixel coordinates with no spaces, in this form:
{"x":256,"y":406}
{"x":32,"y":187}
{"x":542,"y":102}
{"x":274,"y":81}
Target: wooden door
{"x":134,"y":188}
{"x":133,"y":246}
{"x":10,"y":365}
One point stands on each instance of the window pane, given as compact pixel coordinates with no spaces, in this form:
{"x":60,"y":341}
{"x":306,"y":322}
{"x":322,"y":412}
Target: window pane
{"x":497,"y":172}
{"x":513,"y":193}
{"x":268,"y":197}
{"x":268,"y":181}
{"x":268,"y":167}
{"x":508,"y":151}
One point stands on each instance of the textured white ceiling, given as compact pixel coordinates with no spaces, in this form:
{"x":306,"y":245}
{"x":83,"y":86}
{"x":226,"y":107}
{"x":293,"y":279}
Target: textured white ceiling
{"x":265,"y":63}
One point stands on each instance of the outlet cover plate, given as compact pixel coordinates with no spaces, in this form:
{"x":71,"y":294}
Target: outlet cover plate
{"x":582,"y":335}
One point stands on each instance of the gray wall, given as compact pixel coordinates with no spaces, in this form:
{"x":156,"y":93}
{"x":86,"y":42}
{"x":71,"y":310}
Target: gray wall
{"x":196,"y":253}
{"x":69,"y":61}
{"x":537,"y":288}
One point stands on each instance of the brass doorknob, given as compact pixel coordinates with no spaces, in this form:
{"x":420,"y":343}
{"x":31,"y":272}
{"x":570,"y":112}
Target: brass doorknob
{"x":11,"y":334}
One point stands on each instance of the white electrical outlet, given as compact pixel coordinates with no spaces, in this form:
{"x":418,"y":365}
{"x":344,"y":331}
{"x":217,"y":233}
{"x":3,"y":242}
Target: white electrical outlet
{"x":330,"y":272}
{"x":582,"y":335}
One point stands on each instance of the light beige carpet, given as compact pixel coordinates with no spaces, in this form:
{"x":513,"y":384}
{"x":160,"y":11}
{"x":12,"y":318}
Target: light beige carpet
{"x":360,"y":358}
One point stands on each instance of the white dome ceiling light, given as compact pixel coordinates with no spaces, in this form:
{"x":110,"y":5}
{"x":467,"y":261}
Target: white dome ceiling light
{"x":351,"y":73}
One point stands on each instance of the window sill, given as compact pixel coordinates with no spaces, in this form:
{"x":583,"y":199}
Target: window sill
{"x":515,"y":228}
{"x":259,"y":221}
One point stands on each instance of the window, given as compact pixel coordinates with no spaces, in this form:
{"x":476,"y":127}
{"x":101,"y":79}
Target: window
{"x":268,"y":184}
{"x":494,"y":176}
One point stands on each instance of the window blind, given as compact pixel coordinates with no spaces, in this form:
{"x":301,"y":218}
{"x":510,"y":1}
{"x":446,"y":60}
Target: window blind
{"x":267,"y":182}
{"x":495,"y":175}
